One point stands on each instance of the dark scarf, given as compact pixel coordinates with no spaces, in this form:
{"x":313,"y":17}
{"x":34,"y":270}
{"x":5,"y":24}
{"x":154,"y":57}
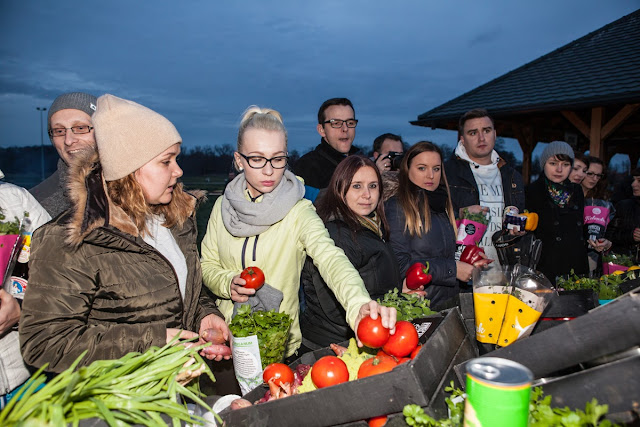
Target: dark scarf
{"x":437,"y":199}
{"x":560,"y":193}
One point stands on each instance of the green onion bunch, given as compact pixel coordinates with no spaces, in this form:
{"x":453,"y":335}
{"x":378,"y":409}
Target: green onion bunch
{"x":139,"y":388}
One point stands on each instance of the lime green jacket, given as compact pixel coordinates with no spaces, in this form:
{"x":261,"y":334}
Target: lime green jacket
{"x":280,"y":252}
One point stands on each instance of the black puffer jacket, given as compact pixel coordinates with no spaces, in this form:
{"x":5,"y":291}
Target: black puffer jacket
{"x":464,"y":190}
{"x":323,"y":321}
{"x":438,"y":247}
{"x":620,"y":230}
{"x":561,"y":230}
{"x":317,"y":166}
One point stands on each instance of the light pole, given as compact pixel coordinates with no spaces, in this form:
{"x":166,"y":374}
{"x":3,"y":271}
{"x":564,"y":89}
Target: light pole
{"x":42,"y":110}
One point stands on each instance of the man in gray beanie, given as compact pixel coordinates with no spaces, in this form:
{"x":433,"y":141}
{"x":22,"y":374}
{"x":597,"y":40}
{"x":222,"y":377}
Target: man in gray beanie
{"x":71,"y":131}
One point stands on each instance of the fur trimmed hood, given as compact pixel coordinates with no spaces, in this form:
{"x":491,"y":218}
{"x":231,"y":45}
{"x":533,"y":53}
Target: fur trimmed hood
{"x":91,"y":206}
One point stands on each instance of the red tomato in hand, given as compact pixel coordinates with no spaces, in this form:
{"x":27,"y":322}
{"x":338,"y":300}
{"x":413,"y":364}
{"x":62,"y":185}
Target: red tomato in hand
{"x":279,"y":372}
{"x":404,"y":341}
{"x":253,"y":276}
{"x":371,"y":332}
{"x":328,"y":371}
{"x":376,"y":365}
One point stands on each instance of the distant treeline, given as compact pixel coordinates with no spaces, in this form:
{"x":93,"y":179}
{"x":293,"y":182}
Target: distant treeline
{"x":195,"y":161}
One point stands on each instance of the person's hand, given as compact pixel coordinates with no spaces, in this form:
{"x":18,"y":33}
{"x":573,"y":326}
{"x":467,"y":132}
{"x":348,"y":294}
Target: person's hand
{"x":373,"y":309}
{"x":238,"y":292}
{"x":418,"y":291}
{"x":383,"y":162}
{"x":181,"y":333}
{"x":9,"y":311}
{"x":636,"y":234}
{"x":600,"y":245}
{"x":475,"y":209}
{"x":463,"y":271}
{"x":217,"y":350}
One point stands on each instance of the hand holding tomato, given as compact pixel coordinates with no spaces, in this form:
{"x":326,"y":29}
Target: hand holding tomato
{"x":253,"y":277}
{"x":373,"y":309}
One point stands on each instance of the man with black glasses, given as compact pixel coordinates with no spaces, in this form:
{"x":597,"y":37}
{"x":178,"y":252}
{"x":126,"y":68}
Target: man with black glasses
{"x":337,"y":128}
{"x":71,"y":132}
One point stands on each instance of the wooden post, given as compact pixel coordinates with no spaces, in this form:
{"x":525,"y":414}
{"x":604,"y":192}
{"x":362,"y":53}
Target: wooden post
{"x":524,"y":135}
{"x":595,"y":136}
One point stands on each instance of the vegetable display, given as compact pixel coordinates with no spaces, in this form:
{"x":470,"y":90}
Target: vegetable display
{"x":271,"y":328}
{"x":408,"y":306}
{"x":138,"y":388}
{"x":253,"y":276}
{"x":418,"y":275}
{"x":607,"y":286}
{"x":541,"y":414}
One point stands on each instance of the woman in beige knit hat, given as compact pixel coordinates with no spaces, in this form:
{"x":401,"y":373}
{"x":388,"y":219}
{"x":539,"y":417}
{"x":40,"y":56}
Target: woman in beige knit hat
{"x":119,"y":271}
{"x":263,"y":220}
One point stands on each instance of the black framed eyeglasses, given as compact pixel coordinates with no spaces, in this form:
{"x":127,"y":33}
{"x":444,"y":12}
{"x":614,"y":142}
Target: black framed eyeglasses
{"x":597,"y":175}
{"x":258,"y":162}
{"x":337,"y":124}
{"x":77,"y":130}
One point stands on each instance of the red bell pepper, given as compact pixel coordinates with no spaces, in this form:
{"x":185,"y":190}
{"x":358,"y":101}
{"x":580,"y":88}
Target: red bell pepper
{"x":472,"y":254}
{"x":418,"y":275}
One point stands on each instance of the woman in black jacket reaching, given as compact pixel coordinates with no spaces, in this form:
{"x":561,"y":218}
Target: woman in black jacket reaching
{"x":422,"y":225}
{"x":353,"y":213}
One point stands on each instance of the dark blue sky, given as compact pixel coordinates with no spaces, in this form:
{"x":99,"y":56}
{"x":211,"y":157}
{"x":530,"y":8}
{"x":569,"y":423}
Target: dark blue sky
{"x":201,"y":63}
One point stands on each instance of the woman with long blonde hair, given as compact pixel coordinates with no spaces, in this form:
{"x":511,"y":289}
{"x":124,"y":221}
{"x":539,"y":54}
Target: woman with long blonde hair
{"x":422,"y":225}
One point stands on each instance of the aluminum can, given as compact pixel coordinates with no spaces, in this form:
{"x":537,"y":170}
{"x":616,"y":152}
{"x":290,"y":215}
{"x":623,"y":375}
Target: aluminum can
{"x":498,"y":392}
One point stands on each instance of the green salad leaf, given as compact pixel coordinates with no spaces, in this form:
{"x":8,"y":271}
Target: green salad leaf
{"x":541,"y":414}
{"x":477,"y":217}
{"x":9,"y":227}
{"x":271,"y":328}
{"x":409,"y":306}
{"x":620,"y":259}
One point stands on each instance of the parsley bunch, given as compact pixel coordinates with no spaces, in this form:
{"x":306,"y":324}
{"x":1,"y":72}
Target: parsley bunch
{"x":409,"y":306}
{"x":271,"y":328}
{"x":477,"y":217}
{"x":9,"y":227}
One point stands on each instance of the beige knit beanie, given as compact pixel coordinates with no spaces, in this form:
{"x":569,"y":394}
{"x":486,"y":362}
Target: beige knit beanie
{"x":129,"y":135}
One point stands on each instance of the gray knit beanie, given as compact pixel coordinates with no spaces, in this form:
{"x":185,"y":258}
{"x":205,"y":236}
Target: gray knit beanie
{"x":129,"y":135}
{"x":74,"y":101}
{"x":553,"y":149}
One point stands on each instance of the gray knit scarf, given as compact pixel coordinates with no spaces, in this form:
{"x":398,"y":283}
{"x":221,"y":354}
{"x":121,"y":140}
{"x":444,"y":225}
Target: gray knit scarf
{"x":244,"y":218}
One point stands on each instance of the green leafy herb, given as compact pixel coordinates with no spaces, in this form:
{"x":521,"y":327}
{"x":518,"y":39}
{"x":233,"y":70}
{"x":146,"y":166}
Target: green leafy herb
{"x":409,"y":306}
{"x":9,"y":227}
{"x":136,"y":389}
{"x":619,"y":259}
{"x":540,"y":413}
{"x":477,"y":217}
{"x":607,"y":286}
{"x":271,"y":328}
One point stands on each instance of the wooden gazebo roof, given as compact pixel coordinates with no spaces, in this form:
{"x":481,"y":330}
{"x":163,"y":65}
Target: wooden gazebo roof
{"x":586,"y":93}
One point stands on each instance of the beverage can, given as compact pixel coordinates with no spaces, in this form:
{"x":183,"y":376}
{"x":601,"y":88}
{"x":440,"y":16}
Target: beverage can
{"x":498,"y":392}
